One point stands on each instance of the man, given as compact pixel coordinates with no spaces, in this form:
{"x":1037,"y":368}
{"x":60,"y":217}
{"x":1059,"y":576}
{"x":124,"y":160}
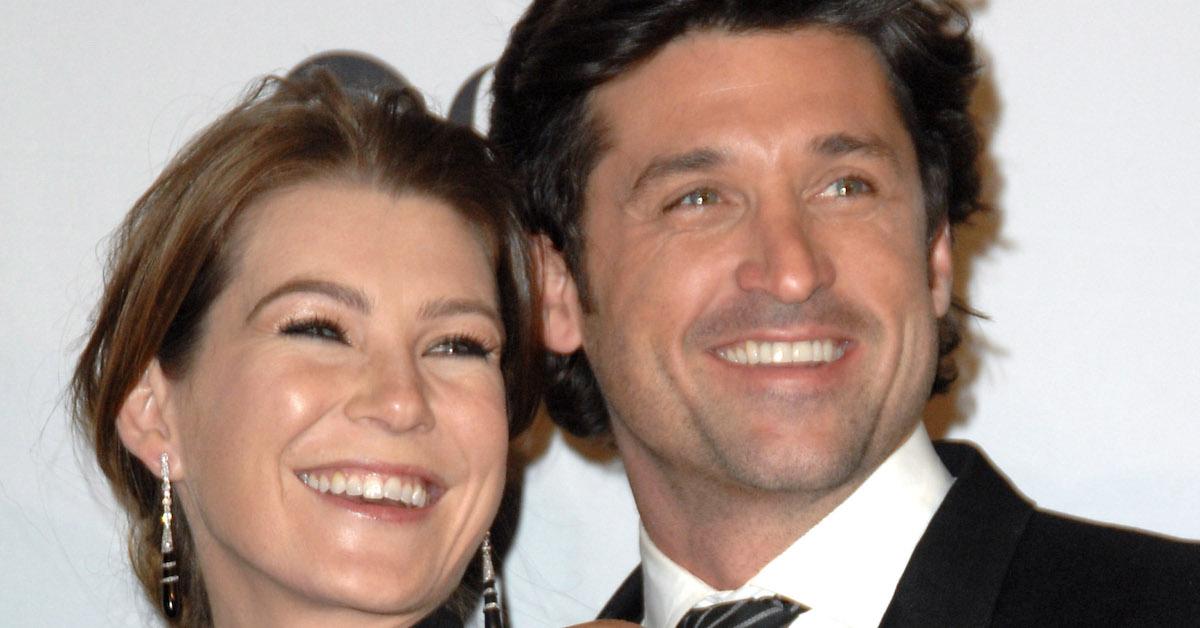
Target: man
{"x":746,"y":212}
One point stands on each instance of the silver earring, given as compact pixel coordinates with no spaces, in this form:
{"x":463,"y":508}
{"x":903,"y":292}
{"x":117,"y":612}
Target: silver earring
{"x":170,"y":569}
{"x":493,"y":616}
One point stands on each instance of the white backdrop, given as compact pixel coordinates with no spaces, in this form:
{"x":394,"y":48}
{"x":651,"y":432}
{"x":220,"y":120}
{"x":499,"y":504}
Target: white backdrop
{"x":1085,"y":385}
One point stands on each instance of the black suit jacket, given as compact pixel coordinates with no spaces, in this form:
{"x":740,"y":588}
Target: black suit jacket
{"x":989,"y":558}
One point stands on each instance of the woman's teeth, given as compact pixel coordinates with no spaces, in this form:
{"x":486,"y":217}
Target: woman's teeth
{"x":768,"y":353}
{"x":371,"y":487}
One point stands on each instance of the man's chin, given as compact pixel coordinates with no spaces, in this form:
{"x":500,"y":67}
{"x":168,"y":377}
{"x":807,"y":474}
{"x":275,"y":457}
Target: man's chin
{"x":783,"y":465}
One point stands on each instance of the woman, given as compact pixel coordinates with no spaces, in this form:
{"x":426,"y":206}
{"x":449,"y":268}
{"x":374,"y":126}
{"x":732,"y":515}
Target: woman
{"x":314,"y":340}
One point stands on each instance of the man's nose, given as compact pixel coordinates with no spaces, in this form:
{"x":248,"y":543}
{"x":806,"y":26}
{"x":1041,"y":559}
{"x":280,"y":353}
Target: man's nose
{"x":391,"y":394}
{"x":784,"y":258}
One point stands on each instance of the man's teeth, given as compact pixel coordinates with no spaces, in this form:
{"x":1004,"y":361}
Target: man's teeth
{"x":802,"y":352}
{"x":370,"y":487}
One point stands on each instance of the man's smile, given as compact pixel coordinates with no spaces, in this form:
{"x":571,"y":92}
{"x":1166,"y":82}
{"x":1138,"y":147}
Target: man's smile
{"x":770,"y":353}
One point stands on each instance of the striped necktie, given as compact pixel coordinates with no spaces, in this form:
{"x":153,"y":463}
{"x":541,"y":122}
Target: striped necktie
{"x":763,"y":612}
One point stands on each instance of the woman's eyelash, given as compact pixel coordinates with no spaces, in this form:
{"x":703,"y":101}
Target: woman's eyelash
{"x":317,"y":327}
{"x":463,"y":345}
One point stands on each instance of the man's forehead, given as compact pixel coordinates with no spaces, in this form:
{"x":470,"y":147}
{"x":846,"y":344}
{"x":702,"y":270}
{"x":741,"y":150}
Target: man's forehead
{"x":713,"y":48}
{"x":714,"y":86}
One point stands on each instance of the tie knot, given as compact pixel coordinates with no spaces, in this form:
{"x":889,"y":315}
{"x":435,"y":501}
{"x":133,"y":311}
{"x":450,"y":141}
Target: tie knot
{"x":763,"y":612}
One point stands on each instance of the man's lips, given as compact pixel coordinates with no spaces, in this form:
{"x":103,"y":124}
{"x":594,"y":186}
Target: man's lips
{"x":813,"y":352}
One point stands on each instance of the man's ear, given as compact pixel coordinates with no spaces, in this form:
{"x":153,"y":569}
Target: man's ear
{"x":562,"y":315}
{"x":142,"y":423}
{"x":941,"y":269}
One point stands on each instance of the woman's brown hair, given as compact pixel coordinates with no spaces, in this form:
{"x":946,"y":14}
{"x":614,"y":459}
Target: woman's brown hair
{"x":172,"y":256}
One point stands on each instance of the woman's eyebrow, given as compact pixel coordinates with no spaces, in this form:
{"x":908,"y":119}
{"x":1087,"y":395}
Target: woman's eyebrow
{"x":346,"y":295}
{"x":437,"y":308}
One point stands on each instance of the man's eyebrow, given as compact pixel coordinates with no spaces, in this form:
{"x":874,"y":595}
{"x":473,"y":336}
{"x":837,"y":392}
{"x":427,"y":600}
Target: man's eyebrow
{"x":438,"y":308}
{"x":666,"y":165}
{"x":351,"y":297}
{"x":839,"y":144}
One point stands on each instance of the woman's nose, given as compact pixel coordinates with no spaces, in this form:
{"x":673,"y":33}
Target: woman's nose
{"x":392,"y":394}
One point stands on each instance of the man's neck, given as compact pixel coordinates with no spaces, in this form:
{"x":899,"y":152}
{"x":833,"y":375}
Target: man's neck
{"x":848,"y":563}
{"x":724,"y":534}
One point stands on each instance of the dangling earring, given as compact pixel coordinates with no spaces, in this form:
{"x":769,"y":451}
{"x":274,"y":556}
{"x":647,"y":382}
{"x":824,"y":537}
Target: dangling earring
{"x":170,"y":571}
{"x":493,"y":617}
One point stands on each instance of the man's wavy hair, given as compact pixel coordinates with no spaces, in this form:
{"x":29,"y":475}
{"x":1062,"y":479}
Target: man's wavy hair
{"x":561,"y":50}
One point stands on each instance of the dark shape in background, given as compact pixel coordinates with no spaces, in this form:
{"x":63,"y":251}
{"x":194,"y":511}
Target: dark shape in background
{"x":356,"y":71}
{"x":466,"y":101}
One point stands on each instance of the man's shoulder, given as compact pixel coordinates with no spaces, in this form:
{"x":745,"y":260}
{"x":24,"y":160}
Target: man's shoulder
{"x":1081,"y":570}
{"x":1067,"y":570}
{"x":1075,"y":542}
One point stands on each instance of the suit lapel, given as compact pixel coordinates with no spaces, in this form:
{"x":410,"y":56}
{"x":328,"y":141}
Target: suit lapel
{"x":626,"y":603}
{"x":957,"y":569}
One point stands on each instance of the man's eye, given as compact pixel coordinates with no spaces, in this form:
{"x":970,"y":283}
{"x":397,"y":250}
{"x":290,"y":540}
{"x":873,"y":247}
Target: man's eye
{"x":318,"y":328}
{"x":461,"y":346}
{"x":846,"y":187}
{"x":697,"y":198}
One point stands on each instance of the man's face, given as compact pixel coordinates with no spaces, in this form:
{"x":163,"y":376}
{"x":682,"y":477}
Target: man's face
{"x":764,"y":292}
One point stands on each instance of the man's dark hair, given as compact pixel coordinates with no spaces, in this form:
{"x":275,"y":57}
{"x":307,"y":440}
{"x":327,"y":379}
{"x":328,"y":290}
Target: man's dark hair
{"x":561,"y":50}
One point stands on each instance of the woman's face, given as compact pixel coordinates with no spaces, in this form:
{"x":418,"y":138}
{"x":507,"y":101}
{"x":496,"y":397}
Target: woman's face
{"x":340,"y":433}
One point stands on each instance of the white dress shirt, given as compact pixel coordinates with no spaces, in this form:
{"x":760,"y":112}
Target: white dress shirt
{"x":845,"y":569}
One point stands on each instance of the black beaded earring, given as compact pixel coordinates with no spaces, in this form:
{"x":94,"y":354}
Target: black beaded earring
{"x":170,"y":570}
{"x":493,"y":616}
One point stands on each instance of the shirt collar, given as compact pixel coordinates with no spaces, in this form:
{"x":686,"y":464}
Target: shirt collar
{"x":846,"y":567}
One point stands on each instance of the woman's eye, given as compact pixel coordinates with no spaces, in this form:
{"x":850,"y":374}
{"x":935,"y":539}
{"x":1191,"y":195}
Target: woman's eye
{"x":847,"y":186}
{"x":317,"y":328}
{"x":461,"y":346}
{"x":697,"y":198}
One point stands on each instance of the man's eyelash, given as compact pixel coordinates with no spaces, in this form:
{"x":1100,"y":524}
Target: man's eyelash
{"x":703,"y":196}
{"x":845,"y":184}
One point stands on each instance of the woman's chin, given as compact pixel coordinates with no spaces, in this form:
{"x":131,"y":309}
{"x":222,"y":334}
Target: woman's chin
{"x":391,"y":590}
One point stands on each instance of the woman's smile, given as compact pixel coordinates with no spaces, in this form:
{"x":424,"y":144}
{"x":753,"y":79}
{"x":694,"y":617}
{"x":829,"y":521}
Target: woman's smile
{"x":356,"y":485}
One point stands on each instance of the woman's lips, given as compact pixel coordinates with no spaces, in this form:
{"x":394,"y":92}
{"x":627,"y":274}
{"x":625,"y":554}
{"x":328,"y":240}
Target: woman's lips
{"x":371,"y":487}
